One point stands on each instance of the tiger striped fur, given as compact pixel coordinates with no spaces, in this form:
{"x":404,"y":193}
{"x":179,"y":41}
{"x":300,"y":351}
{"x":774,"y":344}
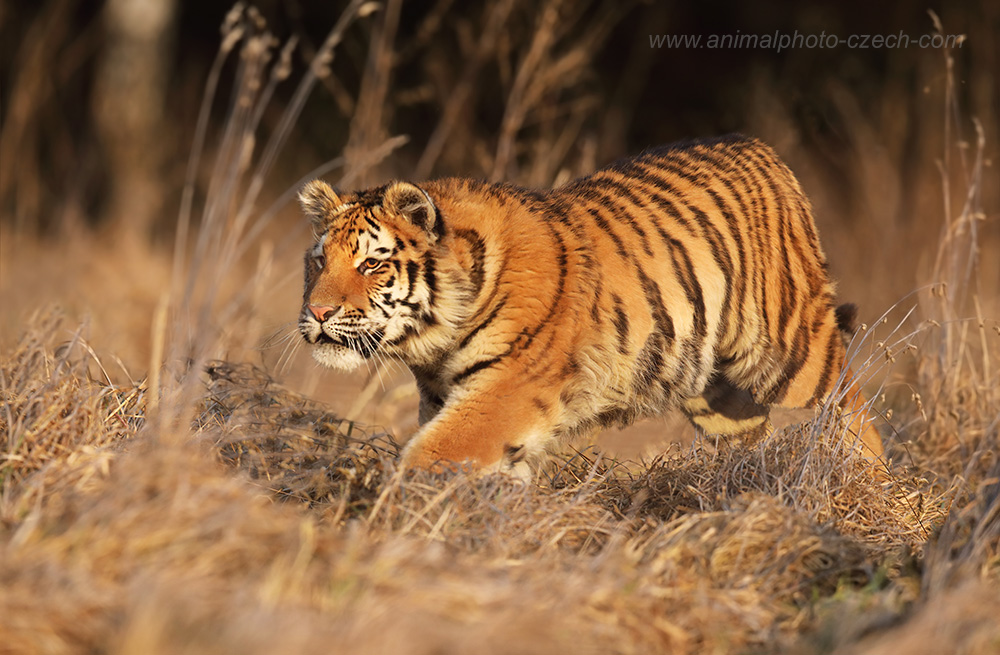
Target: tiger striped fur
{"x":690,"y":277}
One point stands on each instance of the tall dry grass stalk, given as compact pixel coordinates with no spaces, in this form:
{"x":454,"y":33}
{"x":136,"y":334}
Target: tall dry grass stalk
{"x":959,"y":375}
{"x":230,"y":222}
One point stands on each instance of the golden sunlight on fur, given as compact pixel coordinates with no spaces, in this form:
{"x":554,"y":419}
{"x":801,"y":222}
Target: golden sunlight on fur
{"x":690,"y":277}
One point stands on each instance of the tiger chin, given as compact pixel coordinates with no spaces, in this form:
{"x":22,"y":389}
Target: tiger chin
{"x":689,"y":277}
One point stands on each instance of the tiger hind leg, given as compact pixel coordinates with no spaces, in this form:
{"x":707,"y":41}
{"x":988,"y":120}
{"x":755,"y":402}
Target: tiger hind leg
{"x":730,"y":412}
{"x":853,"y":403}
{"x":854,"y":406}
{"x":839,"y":383}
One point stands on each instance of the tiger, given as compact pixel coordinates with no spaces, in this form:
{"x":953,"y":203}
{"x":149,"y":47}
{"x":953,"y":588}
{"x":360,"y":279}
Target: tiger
{"x":688,"y":277}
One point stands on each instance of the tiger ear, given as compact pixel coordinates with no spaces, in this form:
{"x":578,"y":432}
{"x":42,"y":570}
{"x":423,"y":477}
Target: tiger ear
{"x":319,"y":202}
{"x":413,"y":204}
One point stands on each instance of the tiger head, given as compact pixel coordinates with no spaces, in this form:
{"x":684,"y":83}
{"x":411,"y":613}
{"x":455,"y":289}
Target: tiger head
{"x":369,"y":278}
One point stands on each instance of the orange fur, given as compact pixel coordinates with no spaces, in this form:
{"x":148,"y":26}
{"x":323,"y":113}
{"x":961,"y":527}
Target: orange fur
{"x":690,"y":276}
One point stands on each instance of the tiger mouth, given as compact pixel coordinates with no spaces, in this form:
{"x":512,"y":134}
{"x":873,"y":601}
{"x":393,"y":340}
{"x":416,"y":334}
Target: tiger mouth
{"x":364,"y":346}
{"x":325,"y":339}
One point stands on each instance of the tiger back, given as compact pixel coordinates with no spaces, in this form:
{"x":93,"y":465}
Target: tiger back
{"x":690,"y":276}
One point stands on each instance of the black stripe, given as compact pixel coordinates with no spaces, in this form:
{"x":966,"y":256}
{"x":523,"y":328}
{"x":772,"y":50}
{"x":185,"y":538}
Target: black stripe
{"x":794,"y":360}
{"x":815,"y":256}
{"x":654,"y":176}
{"x":757,"y":218}
{"x":704,"y":159}
{"x":824,"y":378}
{"x":439,"y":222}
{"x":789,"y":216}
{"x":604,"y":225}
{"x":430,"y":277}
{"x":409,"y":331}
{"x":621,"y":324}
{"x":788,"y":288}
{"x":686,"y":275}
{"x":774,"y":217}
{"x":487,"y":304}
{"x":477,"y":248}
{"x":654,"y":298}
{"x":671,"y":165}
{"x":753,"y":266}
{"x":739,"y":277}
{"x":719,"y":253}
{"x":563,"y":260}
{"x":541,"y":353}
{"x":489,"y":319}
{"x":689,"y":282}
{"x":648,"y":364}
{"x":650,"y":361}
{"x":412,"y":270}
{"x":614,"y":204}
{"x":805,"y":210}
{"x":789,"y":294}
{"x":475,"y":368}
{"x":595,"y":309}
{"x":558,"y":209}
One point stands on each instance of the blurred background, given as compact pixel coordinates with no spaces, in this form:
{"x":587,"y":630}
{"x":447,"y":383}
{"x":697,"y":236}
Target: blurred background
{"x":100,"y":106}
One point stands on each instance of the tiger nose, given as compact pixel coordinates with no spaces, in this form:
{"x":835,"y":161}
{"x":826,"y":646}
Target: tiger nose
{"x":321,"y":312}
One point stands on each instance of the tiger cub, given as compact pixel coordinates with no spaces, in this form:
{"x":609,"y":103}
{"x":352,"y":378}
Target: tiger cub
{"x":690,"y":276}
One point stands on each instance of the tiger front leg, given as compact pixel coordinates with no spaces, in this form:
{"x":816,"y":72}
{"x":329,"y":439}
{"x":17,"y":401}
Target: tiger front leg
{"x":499,"y":428}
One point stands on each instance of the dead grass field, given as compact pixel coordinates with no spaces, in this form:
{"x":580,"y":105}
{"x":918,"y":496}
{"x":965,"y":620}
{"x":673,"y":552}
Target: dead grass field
{"x":177,"y":477}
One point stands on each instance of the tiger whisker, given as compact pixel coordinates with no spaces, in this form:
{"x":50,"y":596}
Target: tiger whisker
{"x":289,"y":355}
{"x":379,"y":361}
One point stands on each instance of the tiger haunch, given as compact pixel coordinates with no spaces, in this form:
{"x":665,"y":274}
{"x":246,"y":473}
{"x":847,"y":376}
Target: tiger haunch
{"x":690,"y":276}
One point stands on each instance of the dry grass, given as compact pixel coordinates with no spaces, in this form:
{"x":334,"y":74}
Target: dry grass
{"x":214,"y":506}
{"x":270,"y":524}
